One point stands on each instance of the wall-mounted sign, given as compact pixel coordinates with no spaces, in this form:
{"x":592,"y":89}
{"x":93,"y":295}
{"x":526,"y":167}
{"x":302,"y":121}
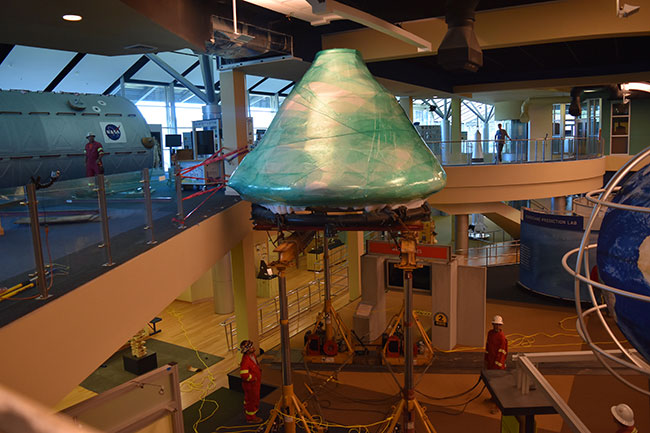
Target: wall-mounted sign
{"x":440,"y":319}
{"x":113,"y":132}
{"x":442,"y":252}
{"x":562,"y":222}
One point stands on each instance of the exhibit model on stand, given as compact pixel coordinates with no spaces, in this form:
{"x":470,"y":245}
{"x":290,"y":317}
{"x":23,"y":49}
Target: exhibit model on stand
{"x":340,"y":155}
{"x":623,"y":264}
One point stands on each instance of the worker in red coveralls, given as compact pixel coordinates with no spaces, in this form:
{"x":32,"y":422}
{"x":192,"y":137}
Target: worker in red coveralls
{"x":251,"y":381}
{"x":496,"y":348}
{"x":94,"y":153}
{"x":624,"y":418}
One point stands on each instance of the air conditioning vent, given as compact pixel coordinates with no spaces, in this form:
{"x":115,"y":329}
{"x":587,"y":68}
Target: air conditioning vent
{"x":248,"y":42}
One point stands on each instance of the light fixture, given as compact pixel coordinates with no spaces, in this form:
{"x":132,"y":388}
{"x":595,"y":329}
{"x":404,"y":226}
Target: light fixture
{"x":643,"y":87}
{"x":72,"y":17}
{"x":626,"y":10}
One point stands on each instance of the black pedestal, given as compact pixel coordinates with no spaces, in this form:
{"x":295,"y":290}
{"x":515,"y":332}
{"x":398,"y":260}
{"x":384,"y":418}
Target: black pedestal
{"x":140,"y":365}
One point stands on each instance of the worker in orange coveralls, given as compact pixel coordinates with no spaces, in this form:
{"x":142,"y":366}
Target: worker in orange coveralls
{"x":496,"y":348}
{"x":251,"y":380}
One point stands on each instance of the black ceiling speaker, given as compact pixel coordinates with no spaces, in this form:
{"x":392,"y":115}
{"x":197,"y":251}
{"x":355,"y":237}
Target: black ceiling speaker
{"x":459,"y":49}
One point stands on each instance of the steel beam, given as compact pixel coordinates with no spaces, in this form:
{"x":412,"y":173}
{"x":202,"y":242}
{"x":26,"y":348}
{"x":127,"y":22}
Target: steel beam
{"x":332,"y":7}
{"x":178,"y":77}
{"x":208,"y":78}
{"x":557,"y":401}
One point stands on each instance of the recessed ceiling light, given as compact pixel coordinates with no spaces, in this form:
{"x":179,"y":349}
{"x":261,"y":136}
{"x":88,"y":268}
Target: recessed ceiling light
{"x":72,"y":17}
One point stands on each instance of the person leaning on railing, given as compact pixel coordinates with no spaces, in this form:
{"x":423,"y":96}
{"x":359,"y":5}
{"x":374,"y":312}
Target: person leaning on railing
{"x":500,"y":138}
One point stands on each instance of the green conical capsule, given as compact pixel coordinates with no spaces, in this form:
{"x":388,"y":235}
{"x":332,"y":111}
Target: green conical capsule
{"x":339,"y":140}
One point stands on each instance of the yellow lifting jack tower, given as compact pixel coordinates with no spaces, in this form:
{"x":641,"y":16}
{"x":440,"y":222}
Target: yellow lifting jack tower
{"x":289,"y":408}
{"x":324,"y":347}
{"x":409,"y":407}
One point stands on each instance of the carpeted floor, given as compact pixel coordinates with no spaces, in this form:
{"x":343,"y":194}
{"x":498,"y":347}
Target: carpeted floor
{"x":112,"y":372}
{"x":230,"y":412}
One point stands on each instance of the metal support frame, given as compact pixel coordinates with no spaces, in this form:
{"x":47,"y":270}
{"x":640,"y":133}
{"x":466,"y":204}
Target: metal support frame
{"x":525,"y":363}
{"x":333,"y":322}
{"x":288,"y":407}
{"x":103,"y":214}
{"x":205,"y":61}
{"x":179,"y":77}
{"x":332,"y":7}
{"x":409,"y":407}
{"x":146,"y":189}
{"x":34,"y":224}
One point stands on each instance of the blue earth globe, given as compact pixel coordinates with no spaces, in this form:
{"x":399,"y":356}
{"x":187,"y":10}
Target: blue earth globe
{"x":623,"y":257}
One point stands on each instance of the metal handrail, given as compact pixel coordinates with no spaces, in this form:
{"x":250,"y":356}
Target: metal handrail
{"x":494,"y":251}
{"x":553,"y":149}
{"x":302,"y":300}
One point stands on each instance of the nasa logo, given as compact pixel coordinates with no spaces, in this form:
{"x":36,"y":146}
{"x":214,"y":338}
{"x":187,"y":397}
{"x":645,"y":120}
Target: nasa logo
{"x":113,"y":132}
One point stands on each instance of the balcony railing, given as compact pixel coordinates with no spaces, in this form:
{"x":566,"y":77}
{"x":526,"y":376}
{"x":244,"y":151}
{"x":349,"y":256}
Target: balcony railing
{"x":516,"y":151}
{"x":56,"y":237}
{"x":302,"y":301}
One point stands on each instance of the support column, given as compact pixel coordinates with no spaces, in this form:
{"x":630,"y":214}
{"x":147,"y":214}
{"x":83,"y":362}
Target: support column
{"x":171,"y":108}
{"x":462,"y":236}
{"x":224,"y":298}
{"x":454,"y":150}
{"x":245,"y":289}
{"x":455,"y":123}
{"x":356,"y":248}
{"x":540,"y":124}
{"x":407,"y":104}
{"x":233,"y":115}
{"x":211,"y":109}
{"x":558,"y":204}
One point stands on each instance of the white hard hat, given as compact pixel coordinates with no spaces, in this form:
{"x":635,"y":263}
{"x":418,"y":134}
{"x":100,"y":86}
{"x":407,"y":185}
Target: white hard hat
{"x":90,"y":134}
{"x":497,"y":320}
{"x":623,"y":414}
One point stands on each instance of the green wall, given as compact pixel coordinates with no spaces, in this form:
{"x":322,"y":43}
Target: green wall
{"x":639,"y":125}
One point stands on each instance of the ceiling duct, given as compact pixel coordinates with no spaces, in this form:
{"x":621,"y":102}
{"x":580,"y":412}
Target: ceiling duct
{"x":459,"y":49}
{"x":613,"y":90}
{"x":246,"y":41}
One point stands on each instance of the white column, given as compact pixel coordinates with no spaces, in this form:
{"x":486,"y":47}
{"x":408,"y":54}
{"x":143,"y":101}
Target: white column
{"x":234,"y":109}
{"x":224,"y":298}
{"x":540,"y":124}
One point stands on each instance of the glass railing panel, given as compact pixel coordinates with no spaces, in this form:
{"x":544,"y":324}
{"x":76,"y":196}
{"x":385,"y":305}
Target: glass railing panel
{"x":70,"y":234}
{"x":126,"y":209}
{"x":163,"y":203}
{"x":15,"y":236}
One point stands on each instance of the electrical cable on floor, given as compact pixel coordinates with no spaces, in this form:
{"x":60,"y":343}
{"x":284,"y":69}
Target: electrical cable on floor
{"x":448,"y":397}
{"x":465,"y":404}
{"x":335,"y":373}
{"x":350,"y":427}
{"x":198,"y":387}
{"x":311,"y":383}
{"x":561,"y":322}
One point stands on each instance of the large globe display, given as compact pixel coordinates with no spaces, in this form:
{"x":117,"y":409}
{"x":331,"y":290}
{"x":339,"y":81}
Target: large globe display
{"x":623,"y":257}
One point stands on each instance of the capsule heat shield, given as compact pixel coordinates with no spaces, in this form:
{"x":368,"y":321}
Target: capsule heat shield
{"x":339,"y":140}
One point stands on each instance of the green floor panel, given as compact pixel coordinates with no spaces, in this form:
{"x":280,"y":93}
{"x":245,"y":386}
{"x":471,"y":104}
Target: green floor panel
{"x":112,"y":373}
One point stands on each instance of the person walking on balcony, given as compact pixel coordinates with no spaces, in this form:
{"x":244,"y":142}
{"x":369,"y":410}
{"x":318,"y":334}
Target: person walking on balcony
{"x":500,"y":138}
{"x":251,"y":381}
